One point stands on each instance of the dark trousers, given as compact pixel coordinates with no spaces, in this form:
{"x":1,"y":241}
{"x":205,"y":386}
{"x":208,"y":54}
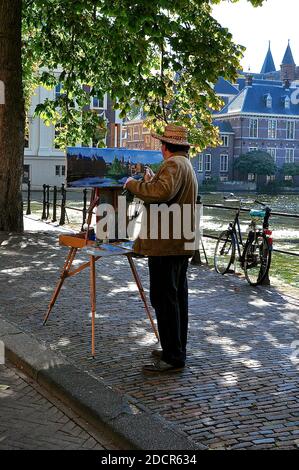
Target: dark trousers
{"x":169,"y":298}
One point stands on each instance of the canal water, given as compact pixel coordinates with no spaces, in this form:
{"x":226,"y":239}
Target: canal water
{"x":285,"y":230}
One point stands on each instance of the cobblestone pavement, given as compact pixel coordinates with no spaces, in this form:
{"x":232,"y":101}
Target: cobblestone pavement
{"x":30,"y":419}
{"x":240,"y":388}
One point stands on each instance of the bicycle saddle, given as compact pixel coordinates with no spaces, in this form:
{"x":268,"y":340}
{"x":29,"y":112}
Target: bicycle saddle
{"x":257,"y":213}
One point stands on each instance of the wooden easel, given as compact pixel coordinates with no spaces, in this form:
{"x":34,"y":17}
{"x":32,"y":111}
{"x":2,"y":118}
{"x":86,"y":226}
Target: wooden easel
{"x":80,"y":242}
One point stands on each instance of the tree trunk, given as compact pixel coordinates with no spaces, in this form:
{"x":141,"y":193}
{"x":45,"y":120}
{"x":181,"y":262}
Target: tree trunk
{"x":12,"y":116}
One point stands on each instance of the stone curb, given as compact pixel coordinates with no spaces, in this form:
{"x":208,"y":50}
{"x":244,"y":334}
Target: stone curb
{"x":134,"y":426}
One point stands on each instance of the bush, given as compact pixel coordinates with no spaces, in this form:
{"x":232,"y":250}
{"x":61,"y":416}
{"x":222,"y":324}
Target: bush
{"x":290,"y":169}
{"x":273,"y":187}
{"x":257,"y":162}
{"x":288,"y":183}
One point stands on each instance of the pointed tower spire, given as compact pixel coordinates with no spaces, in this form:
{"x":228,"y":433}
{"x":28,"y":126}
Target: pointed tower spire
{"x":288,"y":56}
{"x":268,"y":65}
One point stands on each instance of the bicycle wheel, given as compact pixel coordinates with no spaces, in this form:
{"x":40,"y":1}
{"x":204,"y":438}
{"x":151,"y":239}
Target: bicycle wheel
{"x":257,"y":259}
{"x":225,"y":251}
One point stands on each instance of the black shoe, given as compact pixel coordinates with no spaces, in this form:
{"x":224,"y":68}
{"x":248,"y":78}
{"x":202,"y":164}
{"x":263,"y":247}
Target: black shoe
{"x":160,"y":367}
{"x":157,"y":353}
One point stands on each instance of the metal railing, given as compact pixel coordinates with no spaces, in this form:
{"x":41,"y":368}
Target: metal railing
{"x":47,"y":203}
{"x":273,"y":213}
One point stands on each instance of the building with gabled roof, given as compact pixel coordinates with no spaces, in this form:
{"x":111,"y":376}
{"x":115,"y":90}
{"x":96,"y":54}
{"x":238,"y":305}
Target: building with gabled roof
{"x":258,"y":113}
{"x":262,"y":115}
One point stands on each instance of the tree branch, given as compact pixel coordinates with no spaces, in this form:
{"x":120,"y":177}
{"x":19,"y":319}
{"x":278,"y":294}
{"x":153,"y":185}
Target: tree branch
{"x":162,"y":80}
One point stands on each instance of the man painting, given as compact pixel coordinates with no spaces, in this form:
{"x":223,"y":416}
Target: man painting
{"x":175,"y":184}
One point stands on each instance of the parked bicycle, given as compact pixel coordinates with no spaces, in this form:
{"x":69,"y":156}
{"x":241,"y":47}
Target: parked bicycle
{"x":255,"y":254}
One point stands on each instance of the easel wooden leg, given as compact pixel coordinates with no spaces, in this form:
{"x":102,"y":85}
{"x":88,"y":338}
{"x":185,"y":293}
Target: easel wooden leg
{"x":93,"y":302}
{"x":66,"y":268}
{"x":142,"y":294}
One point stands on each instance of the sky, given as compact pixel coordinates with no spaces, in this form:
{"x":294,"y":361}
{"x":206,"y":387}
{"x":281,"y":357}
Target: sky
{"x":276,"y":21}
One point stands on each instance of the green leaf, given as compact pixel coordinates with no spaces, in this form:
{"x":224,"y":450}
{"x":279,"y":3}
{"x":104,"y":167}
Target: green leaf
{"x":161,"y":55}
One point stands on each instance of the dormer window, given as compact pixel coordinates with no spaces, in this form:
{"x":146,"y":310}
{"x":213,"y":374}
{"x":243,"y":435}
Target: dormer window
{"x":269,"y":100}
{"x":224,"y":140}
{"x":287,"y":102}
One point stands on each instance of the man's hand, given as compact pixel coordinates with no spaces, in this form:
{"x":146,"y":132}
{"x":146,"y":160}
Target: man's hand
{"x":129,"y":179}
{"x":149,"y":174}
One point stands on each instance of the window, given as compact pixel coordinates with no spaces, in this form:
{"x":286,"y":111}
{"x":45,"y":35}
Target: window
{"x":147,"y":140}
{"x":223,"y":178}
{"x":97,"y":103}
{"x":58,"y":89}
{"x":270,"y":178}
{"x":136,"y":133}
{"x":288,"y":178}
{"x":287,"y":102}
{"x":26,"y":173}
{"x":129,"y":133}
{"x":253,"y":127}
{"x":291,"y":130}
{"x":224,"y":163}
{"x":272,"y":152}
{"x":208,"y":164}
{"x":59,"y":170}
{"x":269,"y":101}
{"x":200,"y":162}
{"x":272,"y":128}
{"x":289,"y":157}
{"x":124,"y":133}
{"x":225,"y":140}
{"x":251,"y":176}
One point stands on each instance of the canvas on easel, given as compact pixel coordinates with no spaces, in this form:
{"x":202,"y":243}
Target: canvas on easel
{"x":104,"y":171}
{"x":107,"y":167}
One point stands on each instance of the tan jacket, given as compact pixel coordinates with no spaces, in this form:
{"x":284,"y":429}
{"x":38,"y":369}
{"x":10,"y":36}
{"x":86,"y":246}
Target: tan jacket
{"x":175,"y":185}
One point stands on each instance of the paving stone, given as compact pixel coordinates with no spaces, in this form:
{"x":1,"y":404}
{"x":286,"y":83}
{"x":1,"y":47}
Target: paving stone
{"x":243,"y":445}
{"x":239,"y":376}
{"x":266,"y":440}
{"x":43,"y":429}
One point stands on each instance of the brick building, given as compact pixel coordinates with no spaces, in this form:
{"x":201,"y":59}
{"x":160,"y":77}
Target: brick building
{"x":259,"y":114}
{"x":136,"y":136}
